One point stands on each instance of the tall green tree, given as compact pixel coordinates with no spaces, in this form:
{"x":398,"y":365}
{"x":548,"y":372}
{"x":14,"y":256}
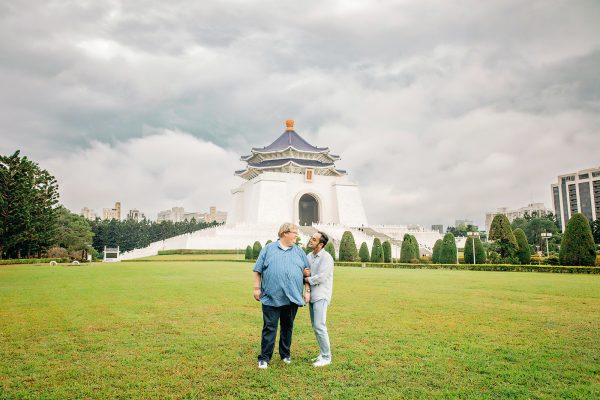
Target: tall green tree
{"x":435,"y":256}
{"x":596,"y":230}
{"x":505,"y":243}
{"x":28,"y":200}
{"x":330,"y":249}
{"x":248,"y":254}
{"x":73,"y":233}
{"x":448,"y":250}
{"x":524,"y":252}
{"x":577,"y":247}
{"x":407,"y":250}
{"x":348,"y":247}
{"x":387,"y":251}
{"x":363,"y":252}
{"x":377,"y":251}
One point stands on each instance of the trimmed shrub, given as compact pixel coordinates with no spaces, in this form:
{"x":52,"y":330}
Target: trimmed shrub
{"x":363,"y":253}
{"x":577,"y":246}
{"x":505,"y":243}
{"x":387,"y":252}
{"x":330,"y":249}
{"x":348,"y":247}
{"x":524,"y":252}
{"x":256,"y":249}
{"x":416,"y":246}
{"x":435,"y":257}
{"x":480,"y":257}
{"x":407,"y":251}
{"x":448,"y":250}
{"x":248,"y":255}
{"x":57,"y":252}
{"x":268,"y":241}
{"x":377,"y":251}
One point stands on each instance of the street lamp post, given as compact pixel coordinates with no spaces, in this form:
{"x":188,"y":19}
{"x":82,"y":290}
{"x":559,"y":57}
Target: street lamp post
{"x":473,"y":235}
{"x":547,"y":235}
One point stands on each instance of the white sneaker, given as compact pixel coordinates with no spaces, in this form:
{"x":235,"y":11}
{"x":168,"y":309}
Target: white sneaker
{"x":287,"y":360}
{"x":263,"y":365}
{"x":321,"y":363}
{"x":316,"y":358}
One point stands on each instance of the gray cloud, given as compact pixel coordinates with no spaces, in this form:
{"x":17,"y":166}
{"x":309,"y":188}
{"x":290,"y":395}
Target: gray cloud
{"x":421,"y":99}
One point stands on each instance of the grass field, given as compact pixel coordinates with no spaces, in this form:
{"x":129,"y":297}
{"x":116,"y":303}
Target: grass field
{"x":188,"y":330}
{"x":195,"y":257}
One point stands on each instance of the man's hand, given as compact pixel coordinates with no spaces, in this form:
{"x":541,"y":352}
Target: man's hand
{"x":306,"y":296}
{"x":306,"y":272}
{"x":257,"y":294}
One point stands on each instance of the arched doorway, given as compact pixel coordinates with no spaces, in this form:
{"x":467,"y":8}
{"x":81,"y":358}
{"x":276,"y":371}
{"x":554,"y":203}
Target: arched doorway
{"x":308,"y":210}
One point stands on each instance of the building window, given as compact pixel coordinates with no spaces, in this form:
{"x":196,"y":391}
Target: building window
{"x":308,"y":175}
{"x":596,"y":173}
{"x":584,"y":176}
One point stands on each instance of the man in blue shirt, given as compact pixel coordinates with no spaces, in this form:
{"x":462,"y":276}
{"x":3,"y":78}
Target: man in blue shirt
{"x":278,"y":285}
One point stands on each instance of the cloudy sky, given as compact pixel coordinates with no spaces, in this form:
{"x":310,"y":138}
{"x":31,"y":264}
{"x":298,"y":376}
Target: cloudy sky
{"x":440,"y":110}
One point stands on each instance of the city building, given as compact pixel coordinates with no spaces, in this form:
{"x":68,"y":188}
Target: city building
{"x":438,"y":228}
{"x":533,"y":210}
{"x":112,"y":213}
{"x":215,"y":216}
{"x":464,"y":222}
{"x":577,"y":192}
{"x":135,"y":215}
{"x":178,"y":214}
{"x":88,"y":214}
{"x":175,"y":214}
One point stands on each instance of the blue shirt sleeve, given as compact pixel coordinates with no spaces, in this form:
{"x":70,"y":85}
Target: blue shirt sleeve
{"x":260,"y":262}
{"x":305,"y":259}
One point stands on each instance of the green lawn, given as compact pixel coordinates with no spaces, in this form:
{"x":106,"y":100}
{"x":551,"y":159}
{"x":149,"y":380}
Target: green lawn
{"x":156,"y":330}
{"x":195,"y":257}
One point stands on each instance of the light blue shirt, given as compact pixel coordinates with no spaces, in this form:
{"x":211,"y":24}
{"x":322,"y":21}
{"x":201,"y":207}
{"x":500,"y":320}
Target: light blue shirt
{"x":321,"y":276}
{"x":282,"y":277}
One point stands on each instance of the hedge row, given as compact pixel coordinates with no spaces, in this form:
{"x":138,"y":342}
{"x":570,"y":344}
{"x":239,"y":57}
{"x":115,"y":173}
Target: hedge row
{"x":190,"y":251}
{"x":33,"y":261}
{"x":481,"y":267}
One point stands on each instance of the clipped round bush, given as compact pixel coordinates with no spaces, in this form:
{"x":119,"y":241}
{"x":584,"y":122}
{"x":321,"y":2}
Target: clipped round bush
{"x":435,"y":257}
{"x":348,"y":247}
{"x":363,"y":253}
{"x":387,"y":252}
{"x":330,"y":249}
{"x":524,"y":251}
{"x":248,"y":255}
{"x":577,"y":246}
{"x":377,"y":251}
{"x":407,"y":251}
{"x":256,"y":249}
{"x":448,"y":250}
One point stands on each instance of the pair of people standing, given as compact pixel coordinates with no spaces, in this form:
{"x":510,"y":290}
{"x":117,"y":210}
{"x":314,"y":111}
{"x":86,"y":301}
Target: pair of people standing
{"x":285,"y":279}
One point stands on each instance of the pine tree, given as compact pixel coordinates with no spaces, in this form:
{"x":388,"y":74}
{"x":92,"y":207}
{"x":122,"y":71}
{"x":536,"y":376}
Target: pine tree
{"x":377,"y":251}
{"x":248,"y":255}
{"x":524,"y":252}
{"x":505,"y":243}
{"x":577,"y":246}
{"x":256,"y":249}
{"x":387,"y":252}
{"x":330,"y":249}
{"x":348,"y":247}
{"x":435,"y":257}
{"x":448,"y":250}
{"x":363,"y":253}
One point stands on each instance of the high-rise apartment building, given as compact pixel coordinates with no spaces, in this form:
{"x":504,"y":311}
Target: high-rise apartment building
{"x":178,"y":214}
{"x":112,"y":213}
{"x":88,"y":214}
{"x":577,"y":192}
{"x":135,"y":215}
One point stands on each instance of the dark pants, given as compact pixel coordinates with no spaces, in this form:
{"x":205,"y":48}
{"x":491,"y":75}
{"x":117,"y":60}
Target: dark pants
{"x":271,"y":316}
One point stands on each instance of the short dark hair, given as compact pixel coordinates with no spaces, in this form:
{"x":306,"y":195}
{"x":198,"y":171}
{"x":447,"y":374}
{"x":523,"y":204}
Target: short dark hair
{"x":324,"y":238}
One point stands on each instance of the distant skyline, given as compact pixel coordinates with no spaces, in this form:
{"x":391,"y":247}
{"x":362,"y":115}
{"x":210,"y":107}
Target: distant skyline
{"x":440,"y":111}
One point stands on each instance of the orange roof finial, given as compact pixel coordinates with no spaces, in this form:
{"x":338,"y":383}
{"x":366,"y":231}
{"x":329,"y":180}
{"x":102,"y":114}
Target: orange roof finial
{"x":289,"y":125}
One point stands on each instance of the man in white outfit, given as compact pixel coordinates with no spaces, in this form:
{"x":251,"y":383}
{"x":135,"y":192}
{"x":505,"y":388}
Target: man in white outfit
{"x":321,"y":287}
